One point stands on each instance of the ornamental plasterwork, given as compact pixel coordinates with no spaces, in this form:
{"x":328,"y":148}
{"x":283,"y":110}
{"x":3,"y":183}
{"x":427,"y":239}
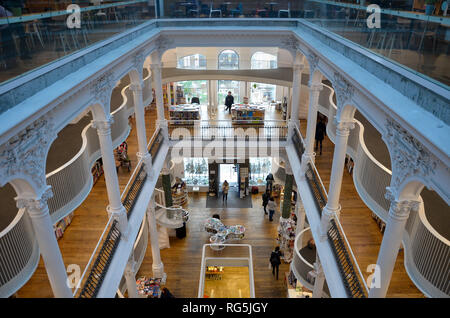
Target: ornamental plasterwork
{"x":290,"y":43}
{"x":35,"y":205}
{"x":344,"y":90}
{"x":138,"y":61}
{"x":102,"y":87}
{"x":409,"y":157}
{"x":162,"y":43}
{"x":25,"y":153}
{"x":313,"y":61}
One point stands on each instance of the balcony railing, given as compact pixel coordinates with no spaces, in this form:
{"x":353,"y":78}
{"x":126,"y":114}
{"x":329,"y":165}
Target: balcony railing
{"x":105,"y":255}
{"x":224,"y":129}
{"x":371,"y":178}
{"x":348,"y":266}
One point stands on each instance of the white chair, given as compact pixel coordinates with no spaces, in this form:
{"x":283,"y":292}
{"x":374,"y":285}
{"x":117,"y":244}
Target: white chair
{"x":288,"y":10}
{"x":32,"y":30}
{"x":211,"y":10}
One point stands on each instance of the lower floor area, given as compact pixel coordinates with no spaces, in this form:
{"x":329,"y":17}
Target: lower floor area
{"x":182,"y":261}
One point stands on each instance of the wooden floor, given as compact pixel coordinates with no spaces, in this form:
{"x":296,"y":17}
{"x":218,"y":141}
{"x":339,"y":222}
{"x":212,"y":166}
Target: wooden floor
{"x":182,"y":259}
{"x":361,"y":230}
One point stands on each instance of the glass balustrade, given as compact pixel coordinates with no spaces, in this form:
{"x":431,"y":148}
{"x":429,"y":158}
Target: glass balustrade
{"x":36,"y":33}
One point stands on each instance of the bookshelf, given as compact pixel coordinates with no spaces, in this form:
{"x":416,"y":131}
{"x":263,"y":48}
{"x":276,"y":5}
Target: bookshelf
{"x":61,"y":226}
{"x":184,"y":114}
{"x":97,"y":170}
{"x":248,"y":114}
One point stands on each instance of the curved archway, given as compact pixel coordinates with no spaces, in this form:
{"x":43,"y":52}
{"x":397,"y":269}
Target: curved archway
{"x":262,"y":60}
{"x":193,"y":62}
{"x":228,"y":60}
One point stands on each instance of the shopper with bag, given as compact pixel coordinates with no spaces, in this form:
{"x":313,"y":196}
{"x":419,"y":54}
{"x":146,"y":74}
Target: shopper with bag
{"x":275,"y":260}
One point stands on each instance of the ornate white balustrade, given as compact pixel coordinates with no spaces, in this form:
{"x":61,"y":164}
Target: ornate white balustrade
{"x":427,"y":254}
{"x":67,"y":196}
{"x":19,"y":254}
{"x":300,"y":266}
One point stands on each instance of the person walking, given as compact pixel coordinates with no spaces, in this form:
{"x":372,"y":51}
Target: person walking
{"x":272,"y":207}
{"x":269,"y":182}
{"x":265,"y":200}
{"x":321,"y":131}
{"x":225,"y":188}
{"x":229,"y":101}
{"x":275,"y":260}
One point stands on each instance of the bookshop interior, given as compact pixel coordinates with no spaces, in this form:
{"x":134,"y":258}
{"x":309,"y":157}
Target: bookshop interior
{"x":221,"y":225}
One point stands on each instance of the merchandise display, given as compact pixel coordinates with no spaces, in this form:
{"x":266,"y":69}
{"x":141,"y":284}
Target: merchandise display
{"x":97,"y":170}
{"x":149,"y":287}
{"x":294,"y":288}
{"x":184,"y":113}
{"x":286,"y":238}
{"x":248,"y":114}
{"x":222,"y":233}
{"x":61,"y":225}
{"x":214,"y":272}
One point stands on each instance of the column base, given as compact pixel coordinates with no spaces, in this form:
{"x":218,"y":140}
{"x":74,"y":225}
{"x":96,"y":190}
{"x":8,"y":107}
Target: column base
{"x":158,"y":271}
{"x":307,"y":158}
{"x":121,"y":216}
{"x":327,"y":215}
{"x":147,"y":161}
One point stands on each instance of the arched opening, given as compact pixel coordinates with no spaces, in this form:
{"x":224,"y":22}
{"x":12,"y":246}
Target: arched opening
{"x":262,"y":60}
{"x":192,"y":62}
{"x":8,"y":204}
{"x":228,"y":60}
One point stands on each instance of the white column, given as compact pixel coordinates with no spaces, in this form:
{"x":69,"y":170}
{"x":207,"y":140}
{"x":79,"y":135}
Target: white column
{"x":296,"y":88}
{"x":289,"y":105}
{"x":37,"y":209}
{"x":157,"y":266}
{"x":398,"y":215}
{"x":130,"y":277}
{"x":309,"y":155}
{"x":115,"y":206}
{"x":157,"y":84}
{"x":140,"y":127}
{"x":320,"y":279}
{"x":333,"y":207}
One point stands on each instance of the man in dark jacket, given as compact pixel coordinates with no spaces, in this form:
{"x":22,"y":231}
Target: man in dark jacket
{"x":229,"y":101}
{"x":275,"y":260}
{"x":265,"y":199}
{"x":321,"y":131}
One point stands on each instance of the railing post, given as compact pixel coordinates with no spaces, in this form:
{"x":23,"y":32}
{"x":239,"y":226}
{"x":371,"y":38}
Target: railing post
{"x":37,"y":209}
{"x":115,"y":206}
{"x":337,"y":170}
{"x":130,"y":277}
{"x":157,"y":266}
{"x":320,"y":279}
{"x":398,"y":215}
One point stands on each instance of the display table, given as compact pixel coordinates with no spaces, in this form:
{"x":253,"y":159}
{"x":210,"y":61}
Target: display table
{"x":149,"y":287}
{"x":184,"y":114}
{"x":248,"y":114}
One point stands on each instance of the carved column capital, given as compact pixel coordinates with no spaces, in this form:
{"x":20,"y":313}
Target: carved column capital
{"x":36,"y":207}
{"x":400,"y":210}
{"x":343,"y":127}
{"x":315,"y":88}
{"x":136,"y":87}
{"x":103,"y":126}
{"x":298,"y":67}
